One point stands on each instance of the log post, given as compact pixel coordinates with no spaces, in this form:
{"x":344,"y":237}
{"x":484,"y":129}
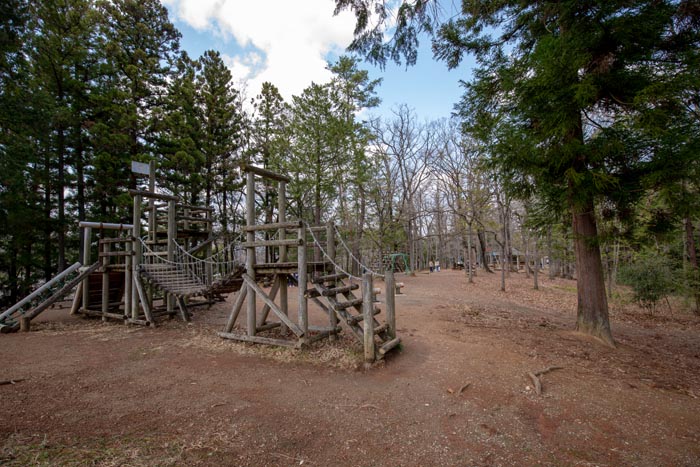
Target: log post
{"x":208,"y":250}
{"x":87,"y":238}
{"x":105,"y":278}
{"x":138,"y":256}
{"x":283,"y":278}
{"x":152,"y":209}
{"x":302,"y":268}
{"x":330,"y":249}
{"x":172,"y":233}
{"x":390,"y":283}
{"x":368,"y":316}
{"x":128,"y":247}
{"x":250,"y":252}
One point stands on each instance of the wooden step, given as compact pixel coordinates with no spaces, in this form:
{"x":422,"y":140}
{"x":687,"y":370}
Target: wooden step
{"x":359,"y":318}
{"x":339,"y":290}
{"x":389,"y":345}
{"x":351,"y":303}
{"x":330,"y":277}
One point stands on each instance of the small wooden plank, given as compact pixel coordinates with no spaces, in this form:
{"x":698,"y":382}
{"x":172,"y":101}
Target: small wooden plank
{"x":257,"y":339}
{"x":389,"y":345}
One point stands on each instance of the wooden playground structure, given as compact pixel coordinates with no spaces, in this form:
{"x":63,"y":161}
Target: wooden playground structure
{"x":164,"y":264}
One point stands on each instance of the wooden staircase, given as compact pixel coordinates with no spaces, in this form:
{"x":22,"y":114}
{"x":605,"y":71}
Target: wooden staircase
{"x":337,"y":291}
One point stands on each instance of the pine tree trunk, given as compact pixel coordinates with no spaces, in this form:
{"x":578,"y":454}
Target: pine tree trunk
{"x":592,"y":301}
{"x":536,"y":264}
{"x":60,"y":191}
{"x":692,"y":256}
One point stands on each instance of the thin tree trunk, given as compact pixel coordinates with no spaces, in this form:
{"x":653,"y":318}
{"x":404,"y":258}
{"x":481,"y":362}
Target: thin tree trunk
{"x":536,"y":269}
{"x":60,"y":191}
{"x":692,"y":256}
{"x":469,"y":256}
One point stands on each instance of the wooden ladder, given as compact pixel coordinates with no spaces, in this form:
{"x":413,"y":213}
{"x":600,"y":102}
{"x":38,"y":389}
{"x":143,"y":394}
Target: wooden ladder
{"x":337,"y":291}
{"x":34,"y":304}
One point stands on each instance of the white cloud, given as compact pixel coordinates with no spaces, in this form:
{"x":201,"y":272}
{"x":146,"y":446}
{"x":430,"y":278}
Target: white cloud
{"x":293,"y":37}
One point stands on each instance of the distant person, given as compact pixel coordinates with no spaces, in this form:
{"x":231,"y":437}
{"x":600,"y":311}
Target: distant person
{"x":431,"y":265}
{"x":437,"y":266}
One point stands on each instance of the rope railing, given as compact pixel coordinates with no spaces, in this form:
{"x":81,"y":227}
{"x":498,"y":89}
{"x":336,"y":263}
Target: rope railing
{"x":355,"y":259}
{"x":332,"y":260}
{"x":204,"y":271}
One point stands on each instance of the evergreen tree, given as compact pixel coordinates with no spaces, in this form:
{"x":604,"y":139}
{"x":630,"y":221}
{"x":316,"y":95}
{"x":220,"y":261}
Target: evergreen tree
{"x":315,"y":153}
{"x":180,"y":135}
{"x":141,"y":47}
{"x":222,"y":120}
{"x":559,"y":77}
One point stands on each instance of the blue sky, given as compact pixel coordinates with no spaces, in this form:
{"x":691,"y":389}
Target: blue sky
{"x":288,"y":43}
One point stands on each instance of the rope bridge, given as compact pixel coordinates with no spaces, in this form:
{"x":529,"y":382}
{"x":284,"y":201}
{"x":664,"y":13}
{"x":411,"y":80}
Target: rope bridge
{"x":187,"y":275}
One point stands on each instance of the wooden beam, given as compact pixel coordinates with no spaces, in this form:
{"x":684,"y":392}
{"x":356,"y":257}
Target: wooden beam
{"x":292,"y":225}
{"x":237,"y":305}
{"x":251,"y":169}
{"x":150,"y":195}
{"x":273,"y":306}
{"x":257,"y":243}
{"x":257,"y":339}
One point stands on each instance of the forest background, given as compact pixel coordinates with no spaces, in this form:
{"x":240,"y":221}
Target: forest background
{"x":579,"y":115}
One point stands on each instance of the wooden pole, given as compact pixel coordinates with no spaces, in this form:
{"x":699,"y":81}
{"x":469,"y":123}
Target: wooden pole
{"x":105,"y":280}
{"x":138,"y":257}
{"x":282,"y":278}
{"x":87,"y":238}
{"x":368,"y":316}
{"x":302,"y":268}
{"x":390,"y":283}
{"x":250,"y":252}
{"x":172,"y":232}
{"x":330,"y":249}
{"x":128,"y":246}
{"x":153,"y":212}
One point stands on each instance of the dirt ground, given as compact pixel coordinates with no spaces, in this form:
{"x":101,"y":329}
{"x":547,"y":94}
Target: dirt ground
{"x":457,"y":393}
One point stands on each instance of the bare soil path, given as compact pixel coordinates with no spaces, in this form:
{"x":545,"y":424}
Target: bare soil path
{"x":89,"y":393}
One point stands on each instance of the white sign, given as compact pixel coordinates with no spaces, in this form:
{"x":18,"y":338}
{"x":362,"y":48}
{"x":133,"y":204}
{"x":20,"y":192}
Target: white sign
{"x":140,"y":168}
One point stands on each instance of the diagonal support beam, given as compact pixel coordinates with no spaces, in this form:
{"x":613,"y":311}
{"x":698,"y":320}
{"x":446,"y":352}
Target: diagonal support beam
{"x":273,"y":306}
